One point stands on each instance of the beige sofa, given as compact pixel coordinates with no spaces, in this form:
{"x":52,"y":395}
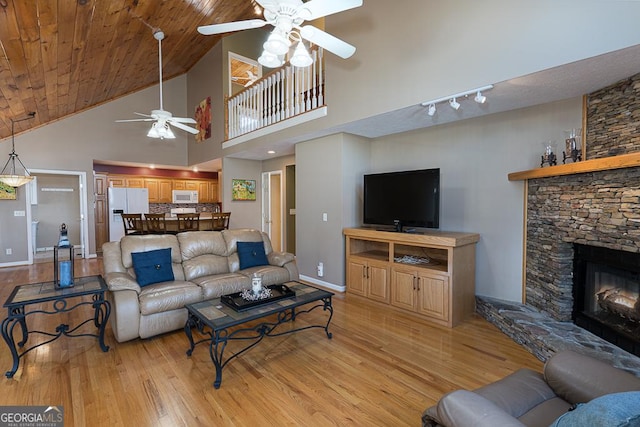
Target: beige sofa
{"x":205,"y":265}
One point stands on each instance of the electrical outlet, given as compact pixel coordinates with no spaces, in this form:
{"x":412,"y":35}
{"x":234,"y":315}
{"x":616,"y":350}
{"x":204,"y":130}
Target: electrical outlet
{"x":320,"y":269}
{"x":9,"y":251}
{"x":324,"y":217}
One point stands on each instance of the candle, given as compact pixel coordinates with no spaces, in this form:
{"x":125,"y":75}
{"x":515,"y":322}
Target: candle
{"x":66,"y":275}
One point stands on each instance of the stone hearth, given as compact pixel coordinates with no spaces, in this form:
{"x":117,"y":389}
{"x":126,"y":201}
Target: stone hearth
{"x":544,"y":336}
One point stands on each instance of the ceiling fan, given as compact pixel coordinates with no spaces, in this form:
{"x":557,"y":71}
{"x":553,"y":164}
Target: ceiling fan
{"x":161,"y":118}
{"x":249,"y":80}
{"x":287,"y":16}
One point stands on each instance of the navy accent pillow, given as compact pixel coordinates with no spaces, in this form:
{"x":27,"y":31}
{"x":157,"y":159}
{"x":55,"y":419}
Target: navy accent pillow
{"x":611,"y":410}
{"x":251,"y":254}
{"x":152,"y":266}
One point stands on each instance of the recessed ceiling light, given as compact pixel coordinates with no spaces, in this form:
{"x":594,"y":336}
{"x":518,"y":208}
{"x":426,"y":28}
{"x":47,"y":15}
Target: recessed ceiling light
{"x":271,"y":152}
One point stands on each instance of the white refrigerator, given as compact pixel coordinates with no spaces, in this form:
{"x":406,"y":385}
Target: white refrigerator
{"x":125,"y":200}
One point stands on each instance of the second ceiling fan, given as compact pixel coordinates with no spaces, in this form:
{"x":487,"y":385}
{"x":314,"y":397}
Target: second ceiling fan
{"x":162,"y":118}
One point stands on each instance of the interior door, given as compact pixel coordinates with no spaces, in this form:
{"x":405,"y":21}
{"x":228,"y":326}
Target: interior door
{"x":272,"y":208}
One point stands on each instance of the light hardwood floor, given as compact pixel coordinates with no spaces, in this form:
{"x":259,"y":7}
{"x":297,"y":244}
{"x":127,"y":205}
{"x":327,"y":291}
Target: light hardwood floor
{"x":382,"y":368}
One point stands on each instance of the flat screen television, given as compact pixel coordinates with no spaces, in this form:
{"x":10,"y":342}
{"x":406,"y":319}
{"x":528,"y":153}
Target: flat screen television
{"x":403,"y":199}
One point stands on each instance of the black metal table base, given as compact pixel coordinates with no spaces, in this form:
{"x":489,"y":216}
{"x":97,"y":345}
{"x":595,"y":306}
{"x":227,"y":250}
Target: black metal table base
{"x":218,"y":340}
{"x":18,"y":316}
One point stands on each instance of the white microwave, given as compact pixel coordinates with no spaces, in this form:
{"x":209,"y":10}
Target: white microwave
{"x":184,"y":196}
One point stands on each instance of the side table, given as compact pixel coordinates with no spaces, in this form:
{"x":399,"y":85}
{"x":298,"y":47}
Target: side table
{"x":39,"y":293}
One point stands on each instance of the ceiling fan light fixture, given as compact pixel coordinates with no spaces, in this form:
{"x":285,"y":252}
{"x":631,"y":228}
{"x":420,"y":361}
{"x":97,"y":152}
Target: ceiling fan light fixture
{"x":454,"y":104}
{"x":301,"y":57}
{"x":270,"y":60}
{"x":432,"y":110}
{"x":277,"y":43}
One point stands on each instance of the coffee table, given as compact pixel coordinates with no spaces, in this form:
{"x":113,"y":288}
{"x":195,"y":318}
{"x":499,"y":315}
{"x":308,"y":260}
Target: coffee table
{"x":219,"y":321}
{"x":39,"y":293}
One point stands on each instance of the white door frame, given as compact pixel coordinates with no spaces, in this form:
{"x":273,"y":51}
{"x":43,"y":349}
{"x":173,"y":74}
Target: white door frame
{"x":82,"y":194}
{"x":267,"y":204}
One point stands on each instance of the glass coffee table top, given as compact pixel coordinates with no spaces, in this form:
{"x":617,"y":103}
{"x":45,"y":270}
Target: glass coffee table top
{"x":218,"y":315}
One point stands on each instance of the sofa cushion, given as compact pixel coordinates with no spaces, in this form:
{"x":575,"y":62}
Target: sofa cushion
{"x":270,"y":274}
{"x":197,"y":243}
{"x":518,"y":392}
{"x":204,"y":265}
{"x":611,"y":410}
{"x":153,"y":266}
{"x":148,"y":242}
{"x":222,"y":284}
{"x":168,"y":296}
{"x":251,"y":254}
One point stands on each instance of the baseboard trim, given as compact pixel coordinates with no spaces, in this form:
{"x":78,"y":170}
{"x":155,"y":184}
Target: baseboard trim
{"x":337,"y":288}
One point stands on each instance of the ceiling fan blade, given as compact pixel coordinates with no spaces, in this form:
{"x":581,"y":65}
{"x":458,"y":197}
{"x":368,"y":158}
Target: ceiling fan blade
{"x":183,"y":120}
{"x":183,"y":127}
{"x":327,"y":41}
{"x":228,"y":27}
{"x":134,"y":120}
{"x":143,"y":115}
{"x":319,"y":8}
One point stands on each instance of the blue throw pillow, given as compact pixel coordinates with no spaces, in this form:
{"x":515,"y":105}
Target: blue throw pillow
{"x":611,"y":410}
{"x":251,"y":254}
{"x":152,"y":266}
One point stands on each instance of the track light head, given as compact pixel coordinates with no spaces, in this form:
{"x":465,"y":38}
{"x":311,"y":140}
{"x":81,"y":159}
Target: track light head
{"x":432,"y":109}
{"x":480,"y":98}
{"x":454,"y":104}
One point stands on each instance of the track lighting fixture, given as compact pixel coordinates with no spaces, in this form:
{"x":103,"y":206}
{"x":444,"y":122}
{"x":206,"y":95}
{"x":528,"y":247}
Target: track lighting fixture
{"x":453,"y":99}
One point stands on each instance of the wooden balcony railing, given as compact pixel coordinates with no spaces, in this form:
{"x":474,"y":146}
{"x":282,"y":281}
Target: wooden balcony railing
{"x":283,"y":93}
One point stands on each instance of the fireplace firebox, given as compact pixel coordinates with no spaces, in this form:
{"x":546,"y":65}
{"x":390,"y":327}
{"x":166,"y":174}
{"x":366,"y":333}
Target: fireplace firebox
{"x":606,"y":294}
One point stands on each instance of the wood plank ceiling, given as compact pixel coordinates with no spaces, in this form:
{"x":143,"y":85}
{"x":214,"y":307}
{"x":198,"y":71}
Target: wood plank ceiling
{"x":60,"y":57}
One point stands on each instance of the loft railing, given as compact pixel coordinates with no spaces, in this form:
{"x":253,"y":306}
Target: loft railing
{"x":282,"y":94}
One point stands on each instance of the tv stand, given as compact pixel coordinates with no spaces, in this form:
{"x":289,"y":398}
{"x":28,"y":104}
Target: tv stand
{"x":430,"y":274}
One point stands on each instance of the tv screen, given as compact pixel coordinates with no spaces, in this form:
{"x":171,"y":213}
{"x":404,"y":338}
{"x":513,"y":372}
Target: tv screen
{"x":403,"y":199}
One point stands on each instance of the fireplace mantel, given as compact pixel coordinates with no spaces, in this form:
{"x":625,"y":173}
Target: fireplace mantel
{"x":607,"y":163}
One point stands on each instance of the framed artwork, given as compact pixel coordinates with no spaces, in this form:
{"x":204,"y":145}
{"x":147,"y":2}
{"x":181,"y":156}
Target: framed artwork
{"x":203,"y":120}
{"x":7,"y":192}
{"x":243,"y":189}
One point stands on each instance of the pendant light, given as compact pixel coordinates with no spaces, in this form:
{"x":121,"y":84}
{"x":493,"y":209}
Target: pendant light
{"x":9,"y":176}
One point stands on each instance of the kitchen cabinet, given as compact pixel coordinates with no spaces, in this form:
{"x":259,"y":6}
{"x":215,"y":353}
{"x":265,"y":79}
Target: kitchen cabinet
{"x":159,"y":189}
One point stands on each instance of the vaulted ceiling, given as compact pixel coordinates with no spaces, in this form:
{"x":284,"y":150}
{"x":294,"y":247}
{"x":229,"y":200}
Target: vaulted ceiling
{"x":59,"y":57}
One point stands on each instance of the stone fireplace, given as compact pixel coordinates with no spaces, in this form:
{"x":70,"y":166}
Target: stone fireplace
{"x":572,"y":210}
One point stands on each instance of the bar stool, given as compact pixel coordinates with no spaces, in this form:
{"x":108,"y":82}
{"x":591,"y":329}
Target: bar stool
{"x":132,"y":223}
{"x":156,"y":223}
{"x":220,"y":221}
{"x":188,"y":222}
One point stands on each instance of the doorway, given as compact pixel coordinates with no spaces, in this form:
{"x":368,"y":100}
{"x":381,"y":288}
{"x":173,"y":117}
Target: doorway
{"x":272,"y":208}
{"x":56,"y":198}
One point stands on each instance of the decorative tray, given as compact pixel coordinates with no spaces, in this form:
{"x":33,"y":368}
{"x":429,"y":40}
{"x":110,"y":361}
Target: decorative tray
{"x":238,"y":303}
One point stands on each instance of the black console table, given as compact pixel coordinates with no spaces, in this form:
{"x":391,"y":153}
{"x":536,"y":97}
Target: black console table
{"x":40,"y":293}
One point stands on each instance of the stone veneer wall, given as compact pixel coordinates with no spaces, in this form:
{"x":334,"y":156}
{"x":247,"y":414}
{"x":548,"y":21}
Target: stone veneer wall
{"x":598,"y":209}
{"x":613,"y":119}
